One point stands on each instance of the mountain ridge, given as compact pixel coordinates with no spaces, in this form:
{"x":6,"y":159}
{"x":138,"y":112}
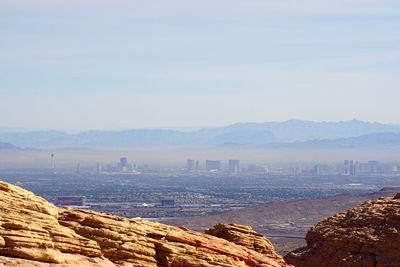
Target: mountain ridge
{"x":372,"y":140}
{"x":267,"y":133}
{"x":7,"y":146}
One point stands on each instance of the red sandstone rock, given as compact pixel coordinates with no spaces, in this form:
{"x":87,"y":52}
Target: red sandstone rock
{"x":366,"y":236}
{"x":33,"y":232}
{"x":245,"y":236}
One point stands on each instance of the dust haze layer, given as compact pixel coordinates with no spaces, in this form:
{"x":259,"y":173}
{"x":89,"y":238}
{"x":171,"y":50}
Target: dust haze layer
{"x":69,"y":158}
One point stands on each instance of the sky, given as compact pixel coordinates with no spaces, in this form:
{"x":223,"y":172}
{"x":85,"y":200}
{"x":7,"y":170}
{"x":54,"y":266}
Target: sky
{"x":97,"y":64}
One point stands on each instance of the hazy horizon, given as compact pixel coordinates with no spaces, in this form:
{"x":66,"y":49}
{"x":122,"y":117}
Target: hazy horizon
{"x":69,"y":158}
{"x":6,"y":129}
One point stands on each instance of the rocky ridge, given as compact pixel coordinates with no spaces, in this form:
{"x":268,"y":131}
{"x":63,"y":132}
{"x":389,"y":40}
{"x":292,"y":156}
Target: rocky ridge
{"x":244,"y":235}
{"x":367,"y":236}
{"x":29,"y":229}
{"x":34,"y":232}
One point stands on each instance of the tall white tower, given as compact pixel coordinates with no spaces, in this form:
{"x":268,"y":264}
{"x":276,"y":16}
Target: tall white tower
{"x":52,"y":161}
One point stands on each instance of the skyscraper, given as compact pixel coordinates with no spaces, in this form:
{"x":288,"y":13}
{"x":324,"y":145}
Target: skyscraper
{"x":123,"y":164}
{"x":191,"y":165}
{"x":346,"y":166}
{"x":52,"y":161}
{"x":352,"y":168}
{"x":234,"y":165}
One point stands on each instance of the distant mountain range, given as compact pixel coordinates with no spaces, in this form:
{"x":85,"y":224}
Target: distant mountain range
{"x":291,"y":134}
{"x":375,"y":140}
{"x":363,"y":141}
{"x":4,"y":146}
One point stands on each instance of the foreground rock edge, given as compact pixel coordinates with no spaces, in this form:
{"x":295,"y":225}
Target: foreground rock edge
{"x":367,"y":236}
{"x":34,"y":232}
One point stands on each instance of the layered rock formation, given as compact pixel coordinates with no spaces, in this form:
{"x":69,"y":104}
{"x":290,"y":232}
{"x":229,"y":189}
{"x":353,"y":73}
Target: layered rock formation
{"x":245,"y":236}
{"x":29,"y":229}
{"x":367,"y":236}
{"x":33,"y":232}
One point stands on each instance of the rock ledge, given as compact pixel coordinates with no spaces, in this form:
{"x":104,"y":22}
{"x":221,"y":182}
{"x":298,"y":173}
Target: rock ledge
{"x":34,"y":232}
{"x":367,"y":236}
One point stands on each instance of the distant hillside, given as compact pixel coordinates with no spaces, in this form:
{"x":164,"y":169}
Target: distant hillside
{"x":367,"y":140}
{"x":374,"y":140}
{"x":293,"y":133}
{"x":303,"y":213}
{"x":4,"y":146}
{"x":299,"y":130}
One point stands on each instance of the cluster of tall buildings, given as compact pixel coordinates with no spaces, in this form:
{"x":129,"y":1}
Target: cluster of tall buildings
{"x":234,"y":165}
{"x":122,"y":166}
{"x":349,"y":167}
{"x":352,"y":168}
{"x":192,"y":165}
{"x":372,"y":167}
{"x":214,"y":165}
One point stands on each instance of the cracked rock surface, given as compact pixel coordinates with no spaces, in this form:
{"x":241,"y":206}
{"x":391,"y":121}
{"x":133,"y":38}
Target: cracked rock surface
{"x":245,"y":236}
{"x":366,"y":236}
{"x":34,"y":232}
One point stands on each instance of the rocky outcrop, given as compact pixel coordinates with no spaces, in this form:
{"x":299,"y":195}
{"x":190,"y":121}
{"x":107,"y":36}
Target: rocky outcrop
{"x":69,"y":261}
{"x":368,"y":235}
{"x":33,"y":232}
{"x":29,"y":229}
{"x":146,"y":243}
{"x":245,"y":236}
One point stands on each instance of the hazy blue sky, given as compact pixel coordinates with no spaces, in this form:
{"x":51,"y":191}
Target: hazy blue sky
{"x":130,"y":64}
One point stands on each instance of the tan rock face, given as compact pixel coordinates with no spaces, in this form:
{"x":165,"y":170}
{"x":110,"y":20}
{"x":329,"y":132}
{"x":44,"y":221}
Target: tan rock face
{"x":69,"y":261}
{"x":147,"y":243}
{"x":33,"y":232}
{"x":245,"y":236}
{"x":368,"y":235}
{"x":29,"y":229}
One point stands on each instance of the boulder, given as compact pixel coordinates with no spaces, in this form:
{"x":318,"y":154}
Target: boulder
{"x":367,"y":236}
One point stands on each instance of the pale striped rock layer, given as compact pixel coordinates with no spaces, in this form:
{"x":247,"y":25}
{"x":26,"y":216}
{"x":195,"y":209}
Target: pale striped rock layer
{"x":34,"y":232}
